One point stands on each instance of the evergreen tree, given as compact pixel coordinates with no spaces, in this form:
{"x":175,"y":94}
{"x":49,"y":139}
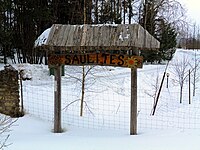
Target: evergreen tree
{"x":31,"y":18}
{"x":22,"y":21}
{"x":6,"y":29}
{"x":147,"y":17}
{"x":106,"y":13}
{"x":159,"y":28}
{"x":110,"y":12}
{"x":167,"y":41}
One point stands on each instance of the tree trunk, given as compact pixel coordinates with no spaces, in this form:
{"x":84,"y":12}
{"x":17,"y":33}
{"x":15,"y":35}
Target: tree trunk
{"x":96,"y":13}
{"x":124,"y":12}
{"x":130,"y":11}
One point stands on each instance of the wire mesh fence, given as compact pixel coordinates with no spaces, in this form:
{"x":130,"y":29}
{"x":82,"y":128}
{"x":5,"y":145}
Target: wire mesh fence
{"x":170,"y":113}
{"x":107,"y":103}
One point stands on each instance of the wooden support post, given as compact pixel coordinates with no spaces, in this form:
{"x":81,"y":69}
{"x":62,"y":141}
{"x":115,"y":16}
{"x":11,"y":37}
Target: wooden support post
{"x":22,"y":100}
{"x":57,"y":100}
{"x":133,"y":115}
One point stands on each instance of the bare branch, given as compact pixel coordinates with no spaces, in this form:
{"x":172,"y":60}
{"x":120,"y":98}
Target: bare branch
{"x":5,"y":124}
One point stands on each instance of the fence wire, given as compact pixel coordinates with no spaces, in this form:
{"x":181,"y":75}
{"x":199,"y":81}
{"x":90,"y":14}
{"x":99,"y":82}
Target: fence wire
{"x":107,"y":103}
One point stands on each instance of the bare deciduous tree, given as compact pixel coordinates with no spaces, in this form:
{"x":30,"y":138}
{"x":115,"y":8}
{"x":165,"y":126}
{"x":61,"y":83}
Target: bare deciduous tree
{"x":195,"y":60}
{"x":5,"y":124}
{"x":195,"y":75}
{"x":84,"y":78}
{"x":81,"y":77}
{"x":154,"y":11}
{"x":155,"y":87}
{"x":180,"y":70}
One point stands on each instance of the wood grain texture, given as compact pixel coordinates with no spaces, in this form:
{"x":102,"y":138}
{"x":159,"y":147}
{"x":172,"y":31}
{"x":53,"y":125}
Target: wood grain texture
{"x":106,"y":37}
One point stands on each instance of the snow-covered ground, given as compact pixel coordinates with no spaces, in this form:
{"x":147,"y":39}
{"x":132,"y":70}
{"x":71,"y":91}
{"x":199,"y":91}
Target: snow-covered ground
{"x":31,"y":133}
{"x":175,"y":126}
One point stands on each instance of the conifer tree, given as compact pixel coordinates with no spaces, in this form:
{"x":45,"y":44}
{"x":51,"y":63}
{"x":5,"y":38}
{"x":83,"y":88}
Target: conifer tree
{"x":158,"y":27}
{"x":167,"y":41}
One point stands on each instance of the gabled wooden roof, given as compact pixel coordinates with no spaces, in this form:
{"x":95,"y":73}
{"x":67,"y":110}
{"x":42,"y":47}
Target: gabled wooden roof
{"x":99,"y":37}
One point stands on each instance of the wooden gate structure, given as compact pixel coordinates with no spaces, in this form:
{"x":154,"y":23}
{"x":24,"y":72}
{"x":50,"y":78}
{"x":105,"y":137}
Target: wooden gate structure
{"x":111,"y":45}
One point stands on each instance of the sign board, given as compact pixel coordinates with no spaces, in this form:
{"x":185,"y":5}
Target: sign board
{"x":103,"y":59}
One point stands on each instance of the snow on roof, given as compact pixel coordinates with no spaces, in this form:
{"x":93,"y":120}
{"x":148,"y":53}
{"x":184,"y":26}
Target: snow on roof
{"x":41,"y":40}
{"x":97,"y":37}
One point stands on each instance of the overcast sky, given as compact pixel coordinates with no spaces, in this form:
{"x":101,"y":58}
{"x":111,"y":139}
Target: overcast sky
{"x":193,"y":10}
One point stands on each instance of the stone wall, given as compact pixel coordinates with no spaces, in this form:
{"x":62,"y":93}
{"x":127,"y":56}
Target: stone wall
{"x":9,"y":92}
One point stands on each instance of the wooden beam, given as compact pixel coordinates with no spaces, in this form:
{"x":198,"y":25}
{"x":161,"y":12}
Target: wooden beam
{"x":133,"y":113}
{"x":57,"y":100}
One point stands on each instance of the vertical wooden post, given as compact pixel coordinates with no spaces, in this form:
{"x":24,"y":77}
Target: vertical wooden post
{"x":57,"y":100}
{"x":22,"y":100}
{"x":133,"y":115}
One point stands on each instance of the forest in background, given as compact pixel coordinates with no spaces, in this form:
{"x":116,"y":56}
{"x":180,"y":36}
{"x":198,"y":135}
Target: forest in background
{"x":22,"y":21}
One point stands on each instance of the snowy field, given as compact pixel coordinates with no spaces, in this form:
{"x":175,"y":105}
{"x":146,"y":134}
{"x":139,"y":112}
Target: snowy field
{"x":31,"y":133}
{"x":105,"y":123}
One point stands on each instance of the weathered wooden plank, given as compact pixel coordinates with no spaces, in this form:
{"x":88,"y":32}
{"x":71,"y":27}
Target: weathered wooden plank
{"x":77,"y":35}
{"x":148,"y":40}
{"x":145,"y":39}
{"x":146,"y":36}
{"x":51,"y":34}
{"x":100,"y":36}
{"x":100,"y":41}
{"x":112,"y":35}
{"x":84,"y":34}
{"x":105,"y":59}
{"x":133,"y":35}
{"x":155,"y":43}
{"x":89,"y":36}
{"x":141,"y":37}
{"x":52,"y":40}
{"x":106,"y":35}
{"x":135,"y":38}
{"x":118,"y":37}
{"x":66,"y":35}
{"x":109,"y":34}
{"x":61,"y":35}
{"x":58,"y":34}
{"x":103,"y":36}
{"x":126,"y":35}
{"x":95,"y":39}
{"x":69,"y":42}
